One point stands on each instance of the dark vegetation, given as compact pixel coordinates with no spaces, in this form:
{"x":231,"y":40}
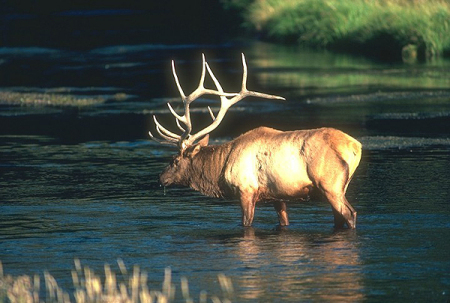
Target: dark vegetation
{"x":389,"y":29}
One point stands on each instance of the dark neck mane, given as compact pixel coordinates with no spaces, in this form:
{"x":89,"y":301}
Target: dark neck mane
{"x":206,"y":170}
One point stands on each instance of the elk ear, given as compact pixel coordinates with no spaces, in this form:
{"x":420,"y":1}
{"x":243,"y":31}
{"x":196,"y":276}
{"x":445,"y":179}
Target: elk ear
{"x":204,"y":141}
{"x":191,"y":151}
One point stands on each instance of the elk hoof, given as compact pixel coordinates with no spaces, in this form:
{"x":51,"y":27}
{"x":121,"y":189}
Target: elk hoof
{"x":247,"y":223}
{"x":352,"y":222}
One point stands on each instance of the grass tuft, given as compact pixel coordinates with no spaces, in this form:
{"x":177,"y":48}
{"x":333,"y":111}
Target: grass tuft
{"x":89,"y":288}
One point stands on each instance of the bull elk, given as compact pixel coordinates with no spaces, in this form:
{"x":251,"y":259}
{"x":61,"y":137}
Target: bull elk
{"x":261,"y":164}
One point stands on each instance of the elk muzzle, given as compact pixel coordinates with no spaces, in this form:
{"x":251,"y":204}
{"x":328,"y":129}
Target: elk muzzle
{"x":166,"y":178}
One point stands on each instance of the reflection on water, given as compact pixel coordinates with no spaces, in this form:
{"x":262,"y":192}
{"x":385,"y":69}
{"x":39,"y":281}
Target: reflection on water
{"x":291,"y":265}
{"x":303,"y":72}
{"x":83,"y":183}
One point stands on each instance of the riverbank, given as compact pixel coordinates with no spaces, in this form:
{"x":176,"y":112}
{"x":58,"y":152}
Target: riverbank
{"x":388,"y":29}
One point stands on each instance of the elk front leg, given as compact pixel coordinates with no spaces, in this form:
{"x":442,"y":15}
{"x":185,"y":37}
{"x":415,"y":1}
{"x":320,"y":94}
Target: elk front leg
{"x":248,"y":203}
{"x":281,"y":209}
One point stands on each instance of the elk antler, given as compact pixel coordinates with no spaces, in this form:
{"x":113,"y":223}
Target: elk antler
{"x":186,"y":139}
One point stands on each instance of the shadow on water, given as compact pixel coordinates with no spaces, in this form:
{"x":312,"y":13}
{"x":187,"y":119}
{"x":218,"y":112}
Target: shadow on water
{"x":83,"y":182}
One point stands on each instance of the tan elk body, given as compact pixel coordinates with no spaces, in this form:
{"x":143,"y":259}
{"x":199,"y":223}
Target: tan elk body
{"x":264,"y":163}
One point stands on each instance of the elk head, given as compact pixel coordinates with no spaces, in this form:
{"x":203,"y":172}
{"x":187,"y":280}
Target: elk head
{"x":178,"y":171}
{"x":189,"y":144}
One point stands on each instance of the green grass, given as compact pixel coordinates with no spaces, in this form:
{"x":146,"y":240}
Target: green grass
{"x":366,"y":26}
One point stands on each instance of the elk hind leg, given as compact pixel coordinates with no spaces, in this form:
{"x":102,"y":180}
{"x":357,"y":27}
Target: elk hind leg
{"x":334,"y":188}
{"x":351,"y":222}
{"x":343,"y":212}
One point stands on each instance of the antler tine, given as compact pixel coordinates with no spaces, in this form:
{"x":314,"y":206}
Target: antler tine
{"x":224,"y":105}
{"x":245,"y":93}
{"x":211,"y":113}
{"x":167,"y":138}
{"x":216,"y":82}
{"x":227,"y":103}
{"x":187,"y":100}
{"x":244,"y":74}
{"x":201,"y":90}
{"x":170,"y":137}
{"x":178,"y":117}
{"x":179,"y":125}
{"x":166,"y":132}
{"x":186,"y":117}
{"x":223,"y":99}
{"x":161,"y":141}
{"x":186,"y":139}
{"x":183,"y":96}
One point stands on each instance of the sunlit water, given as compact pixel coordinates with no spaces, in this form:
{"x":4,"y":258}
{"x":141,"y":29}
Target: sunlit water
{"x":84,"y":184}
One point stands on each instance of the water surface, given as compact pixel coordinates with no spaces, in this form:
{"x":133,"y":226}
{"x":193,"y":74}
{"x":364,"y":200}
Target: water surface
{"x":83,"y":183}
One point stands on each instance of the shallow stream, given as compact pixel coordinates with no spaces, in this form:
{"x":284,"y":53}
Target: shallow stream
{"x":83,"y":182}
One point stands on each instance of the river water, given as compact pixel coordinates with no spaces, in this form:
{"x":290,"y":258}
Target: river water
{"x":83,"y":182}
